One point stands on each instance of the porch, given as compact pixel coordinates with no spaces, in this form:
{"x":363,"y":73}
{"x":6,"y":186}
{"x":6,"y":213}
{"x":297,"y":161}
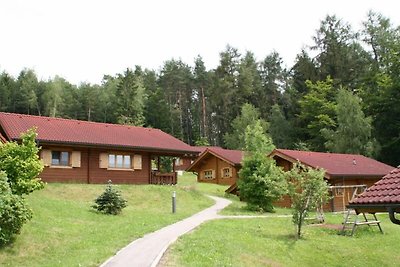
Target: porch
{"x":169,"y":178}
{"x":163,"y":170}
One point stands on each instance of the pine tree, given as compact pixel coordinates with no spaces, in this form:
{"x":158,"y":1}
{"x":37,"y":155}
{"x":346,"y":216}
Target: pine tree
{"x":110,"y":201}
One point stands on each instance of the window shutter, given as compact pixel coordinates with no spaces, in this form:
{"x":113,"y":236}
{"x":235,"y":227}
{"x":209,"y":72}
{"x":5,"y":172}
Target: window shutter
{"x":213,"y":174}
{"x":222,"y":173}
{"x":103,"y":160}
{"x":230,"y":172}
{"x":46,"y":157}
{"x":137,"y":162}
{"x":76,"y":159}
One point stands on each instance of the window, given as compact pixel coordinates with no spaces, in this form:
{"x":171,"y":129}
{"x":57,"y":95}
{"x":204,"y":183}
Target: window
{"x":119,"y":161}
{"x":226,"y":173}
{"x":208,"y":175}
{"x":60,"y":158}
{"x":178,"y":162}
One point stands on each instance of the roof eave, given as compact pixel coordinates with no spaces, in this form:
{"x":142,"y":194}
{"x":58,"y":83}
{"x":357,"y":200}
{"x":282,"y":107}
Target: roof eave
{"x":275,"y":152}
{"x":147,"y":149}
{"x":335,"y":175}
{"x":374,"y":206}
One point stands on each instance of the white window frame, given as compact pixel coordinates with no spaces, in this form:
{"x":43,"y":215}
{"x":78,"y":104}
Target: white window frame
{"x":208,"y":174}
{"x":126,"y":163}
{"x":227,"y":174}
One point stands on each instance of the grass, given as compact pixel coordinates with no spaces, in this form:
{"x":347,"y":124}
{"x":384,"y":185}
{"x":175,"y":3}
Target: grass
{"x":236,"y":208}
{"x":270,"y":242}
{"x":65,"y":231}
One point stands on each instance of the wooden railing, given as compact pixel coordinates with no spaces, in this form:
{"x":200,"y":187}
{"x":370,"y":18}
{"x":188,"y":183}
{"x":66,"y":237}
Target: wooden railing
{"x":163,"y":178}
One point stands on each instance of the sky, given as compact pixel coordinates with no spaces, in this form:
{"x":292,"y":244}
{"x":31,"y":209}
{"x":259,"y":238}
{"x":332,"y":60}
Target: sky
{"x":82,"y":40}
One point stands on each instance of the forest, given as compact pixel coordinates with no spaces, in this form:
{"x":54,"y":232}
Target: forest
{"x":342,"y":94}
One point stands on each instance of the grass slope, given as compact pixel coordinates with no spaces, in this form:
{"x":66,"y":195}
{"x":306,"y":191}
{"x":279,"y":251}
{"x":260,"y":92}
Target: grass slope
{"x":270,"y":242}
{"x":66,"y":232}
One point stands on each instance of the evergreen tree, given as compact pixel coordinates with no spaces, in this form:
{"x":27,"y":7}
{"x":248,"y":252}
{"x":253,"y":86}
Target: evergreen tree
{"x":110,"y":201}
{"x":26,"y":100}
{"x":202,"y":83}
{"x":7,"y":91}
{"x":280,"y":128}
{"x":353,"y":132}
{"x":340,"y":55}
{"x":130,"y":99}
{"x":272,"y":79}
{"x":224,"y":104}
{"x":317,"y":112}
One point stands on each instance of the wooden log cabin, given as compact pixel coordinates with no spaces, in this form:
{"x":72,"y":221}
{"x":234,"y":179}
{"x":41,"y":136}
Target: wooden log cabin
{"x":90,"y":152}
{"x":182,"y":164}
{"x":340,"y":170}
{"x":217,"y":165}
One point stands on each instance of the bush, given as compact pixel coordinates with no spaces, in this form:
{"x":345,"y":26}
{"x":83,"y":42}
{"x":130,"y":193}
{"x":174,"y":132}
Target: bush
{"x":21,"y":163}
{"x":110,"y":202}
{"x":13,"y":212}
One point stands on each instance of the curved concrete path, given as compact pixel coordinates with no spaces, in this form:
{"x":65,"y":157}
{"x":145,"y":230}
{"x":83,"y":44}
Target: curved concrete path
{"x":148,"y":250}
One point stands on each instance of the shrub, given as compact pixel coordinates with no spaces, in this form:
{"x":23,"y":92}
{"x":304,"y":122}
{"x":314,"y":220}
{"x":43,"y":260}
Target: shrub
{"x":110,"y":201}
{"x":22,"y":165}
{"x":13,"y":212}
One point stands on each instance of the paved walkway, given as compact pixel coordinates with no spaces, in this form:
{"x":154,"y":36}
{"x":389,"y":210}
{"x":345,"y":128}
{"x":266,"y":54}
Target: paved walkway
{"x":148,"y":250}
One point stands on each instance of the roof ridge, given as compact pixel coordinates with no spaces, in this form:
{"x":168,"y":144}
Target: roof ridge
{"x":319,"y":152}
{"x":76,"y":120}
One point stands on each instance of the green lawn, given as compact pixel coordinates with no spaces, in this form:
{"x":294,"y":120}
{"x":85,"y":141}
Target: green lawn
{"x":66,"y":232}
{"x":236,"y":208}
{"x":270,"y":242}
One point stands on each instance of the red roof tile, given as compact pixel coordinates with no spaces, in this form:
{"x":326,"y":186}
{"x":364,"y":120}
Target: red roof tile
{"x":385,"y":191}
{"x":201,"y":149}
{"x":233,"y":156}
{"x":57,"y":130}
{"x":336,"y":164}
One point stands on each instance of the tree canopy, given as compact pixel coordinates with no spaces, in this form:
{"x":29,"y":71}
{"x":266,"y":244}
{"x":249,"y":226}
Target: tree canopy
{"x":194,"y":103}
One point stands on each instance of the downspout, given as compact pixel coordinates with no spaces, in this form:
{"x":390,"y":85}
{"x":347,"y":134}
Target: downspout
{"x":392,"y":216}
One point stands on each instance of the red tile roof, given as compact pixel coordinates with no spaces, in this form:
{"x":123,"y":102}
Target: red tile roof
{"x":233,"y":157}
{"x":385,"y":191}
{"x":57,"y":130}
{"x":336,"y":164}
{"x":201,"y":149}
